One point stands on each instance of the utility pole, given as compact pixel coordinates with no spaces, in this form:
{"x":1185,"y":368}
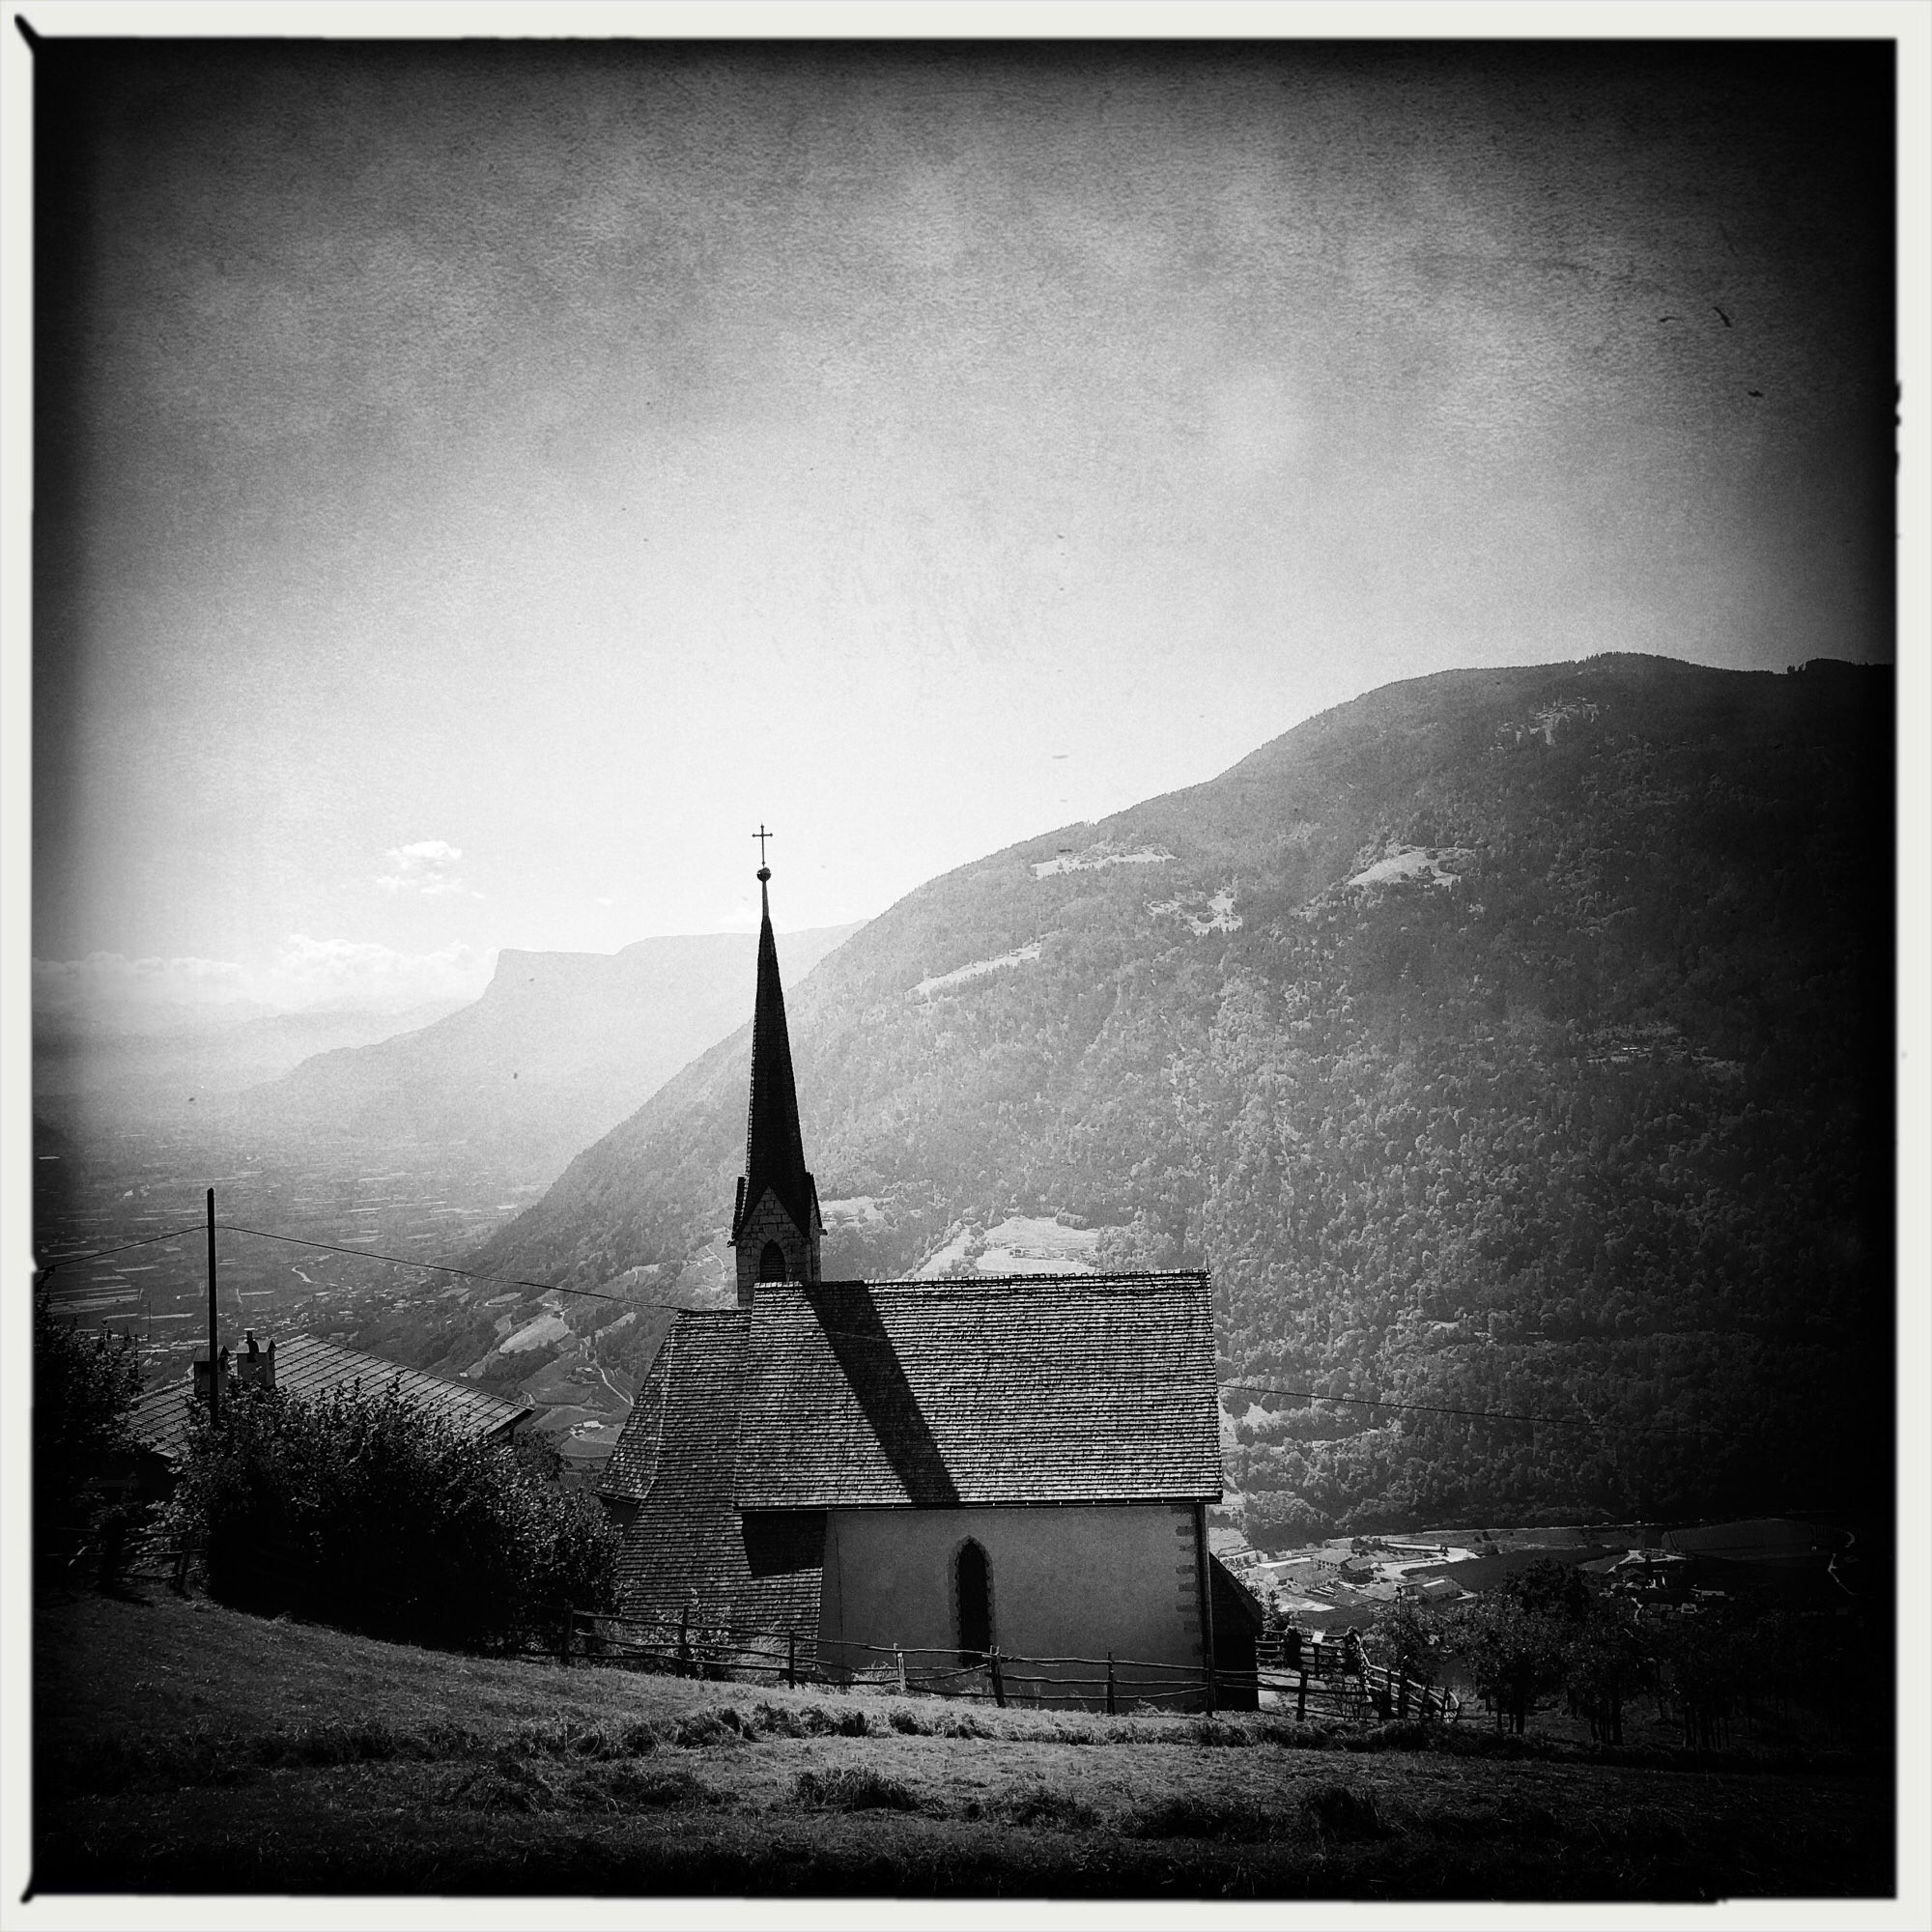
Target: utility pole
{"x":213,"y":1360}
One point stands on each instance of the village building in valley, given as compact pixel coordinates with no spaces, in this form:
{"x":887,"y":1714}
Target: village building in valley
{"x":937,"y":1471}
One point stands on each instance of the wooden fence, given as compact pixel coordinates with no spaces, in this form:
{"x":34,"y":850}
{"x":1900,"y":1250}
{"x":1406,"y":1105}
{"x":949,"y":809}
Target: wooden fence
{"x":1315,"y":1685}
{"x":1318,"y":1687}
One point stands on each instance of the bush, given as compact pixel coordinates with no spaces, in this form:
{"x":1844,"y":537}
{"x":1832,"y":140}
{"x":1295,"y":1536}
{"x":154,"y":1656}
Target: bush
{"x":628,"y":1787}
{"x":852,"y":1791}
{"x":1040,"y":1809}
{"x":1235,"y":1819}
{"x":1343,"y":1816}
{"x":361,"y":1511}
{"x":84,"y":1389}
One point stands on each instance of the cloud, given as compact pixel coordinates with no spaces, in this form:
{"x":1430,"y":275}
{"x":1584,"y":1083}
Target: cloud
{"x":60,"y":984}
{"x":427,"y":867}
{"x":305,"y":973}
{"x":310,"y":971}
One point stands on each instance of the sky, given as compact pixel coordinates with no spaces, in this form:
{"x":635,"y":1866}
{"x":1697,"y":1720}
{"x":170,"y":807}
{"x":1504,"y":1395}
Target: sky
{"x":476,"y":487}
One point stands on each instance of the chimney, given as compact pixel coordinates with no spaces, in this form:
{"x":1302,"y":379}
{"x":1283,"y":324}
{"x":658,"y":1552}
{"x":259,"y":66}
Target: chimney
{"x":256,"y":1369}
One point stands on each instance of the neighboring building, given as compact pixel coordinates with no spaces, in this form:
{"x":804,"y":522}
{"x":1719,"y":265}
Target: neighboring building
{"x":308,"y":1365}
{"x":1650,"y":1574}
{"x":1016,"y":1462}
{"x":586,"y":1453}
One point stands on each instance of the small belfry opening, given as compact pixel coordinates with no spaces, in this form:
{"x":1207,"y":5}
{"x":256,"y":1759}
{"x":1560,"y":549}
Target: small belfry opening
{"x":772,"y":1263}
{"x":973,"y":1586}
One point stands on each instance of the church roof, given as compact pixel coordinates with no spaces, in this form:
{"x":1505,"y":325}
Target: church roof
{"x":774,"y":1148}
{"x":1023,"y":1389}
{"x":686,"y":1547}
{"x":1010,"y":1389}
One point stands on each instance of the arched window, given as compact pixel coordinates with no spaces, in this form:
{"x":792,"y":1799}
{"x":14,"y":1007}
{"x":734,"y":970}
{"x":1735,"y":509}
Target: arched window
{"x":973,"y":1592}
{"x":772,"y":1263}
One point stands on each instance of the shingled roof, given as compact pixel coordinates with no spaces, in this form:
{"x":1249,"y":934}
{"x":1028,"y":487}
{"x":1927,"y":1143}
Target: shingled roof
{"x":1011,"y":1389}
{"x":686,"y":1547}
{"x":306,"y":1365}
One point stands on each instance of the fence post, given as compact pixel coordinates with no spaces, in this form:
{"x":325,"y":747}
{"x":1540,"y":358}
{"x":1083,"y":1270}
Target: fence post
{"x":684,"y":1643}
{"x":563,"y":1650}
{"x":898,"y":1661}
{"x":999,"y":1687}
{"x":1402,"y":1699}
{"x":791,"y":1660}
{"x":1112,"y":1706}
{"x":1301,"y":1694}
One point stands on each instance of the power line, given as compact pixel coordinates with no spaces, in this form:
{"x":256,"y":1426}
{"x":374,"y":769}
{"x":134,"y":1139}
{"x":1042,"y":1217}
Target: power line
{"x":1439,"y":1409}
{"x":444,"y":1267}
{"x":856,"y":1335}
{"x":127,"y":1247}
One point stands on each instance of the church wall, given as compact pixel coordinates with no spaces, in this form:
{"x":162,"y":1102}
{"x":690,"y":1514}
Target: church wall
{"x":1071,"y":1582}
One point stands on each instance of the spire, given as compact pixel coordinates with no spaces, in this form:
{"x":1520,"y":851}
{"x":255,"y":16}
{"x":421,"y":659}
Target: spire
{"x":774,"y":1147}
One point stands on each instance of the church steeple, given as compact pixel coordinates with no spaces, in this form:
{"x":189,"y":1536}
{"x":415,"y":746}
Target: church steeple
{"x":775,"y":1225}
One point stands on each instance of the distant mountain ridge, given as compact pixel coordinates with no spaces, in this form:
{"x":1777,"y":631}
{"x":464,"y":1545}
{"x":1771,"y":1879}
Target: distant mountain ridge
{"x":561,"y":1047}
{"x":1507,"y":1039}
{"x":118,"y":1063}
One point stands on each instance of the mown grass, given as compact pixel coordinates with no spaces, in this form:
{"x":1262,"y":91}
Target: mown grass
{"x":187,"y":1747}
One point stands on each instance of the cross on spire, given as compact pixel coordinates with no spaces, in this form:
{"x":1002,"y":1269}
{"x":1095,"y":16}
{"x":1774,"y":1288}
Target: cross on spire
{"x":761,"y":835}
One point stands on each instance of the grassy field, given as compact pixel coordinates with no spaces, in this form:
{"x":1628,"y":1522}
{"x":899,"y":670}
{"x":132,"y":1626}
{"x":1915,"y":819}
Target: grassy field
{"x":180,"y":1747}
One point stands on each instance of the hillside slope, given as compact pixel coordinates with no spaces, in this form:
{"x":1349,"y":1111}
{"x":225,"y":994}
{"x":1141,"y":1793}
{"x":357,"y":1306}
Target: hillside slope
{"x":180,"y":1747}
{"x":1503,"y":1039}
{"x":560,"y":1048}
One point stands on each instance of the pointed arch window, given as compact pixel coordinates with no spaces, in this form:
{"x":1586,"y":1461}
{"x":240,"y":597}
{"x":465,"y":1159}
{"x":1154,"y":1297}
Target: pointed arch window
{"x":972,"y":1600}
{"x":772,"y":1263}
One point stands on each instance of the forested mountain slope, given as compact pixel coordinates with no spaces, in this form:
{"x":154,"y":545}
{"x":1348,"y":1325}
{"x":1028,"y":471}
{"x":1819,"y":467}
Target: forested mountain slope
{"x":1509,"y":1039}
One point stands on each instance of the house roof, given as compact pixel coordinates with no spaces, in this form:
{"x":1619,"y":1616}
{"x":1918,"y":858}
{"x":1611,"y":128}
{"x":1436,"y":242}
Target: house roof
{"x":308,"y":1365}
{"x":1014,"y":1389}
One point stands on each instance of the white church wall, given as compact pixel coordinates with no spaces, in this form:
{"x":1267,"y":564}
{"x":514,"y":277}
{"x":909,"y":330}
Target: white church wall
{"x":1069,"y":1582}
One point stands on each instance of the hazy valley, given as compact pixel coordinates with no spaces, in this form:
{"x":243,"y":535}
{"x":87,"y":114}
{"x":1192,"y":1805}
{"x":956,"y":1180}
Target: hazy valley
{"x":1503,"y":1040}
{"x":414,"y":1134}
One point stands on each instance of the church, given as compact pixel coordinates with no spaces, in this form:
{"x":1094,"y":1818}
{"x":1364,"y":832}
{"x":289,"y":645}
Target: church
{"x":1019,"y":1465}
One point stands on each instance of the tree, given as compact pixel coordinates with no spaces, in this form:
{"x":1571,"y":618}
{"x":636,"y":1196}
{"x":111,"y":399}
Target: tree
{"x":364,"y":1510}
{"x":84,"y":1389}
{"x":1405,"y":1639}
{"x":1512,"y":1654}
{"x":1602,"y":1663}
{"x":1550,"y":1589}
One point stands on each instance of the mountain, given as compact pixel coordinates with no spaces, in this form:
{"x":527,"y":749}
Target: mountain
{"x":1506,"y":1040}
{"x":121,"y":1064}
{"x":561,"y":1047}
